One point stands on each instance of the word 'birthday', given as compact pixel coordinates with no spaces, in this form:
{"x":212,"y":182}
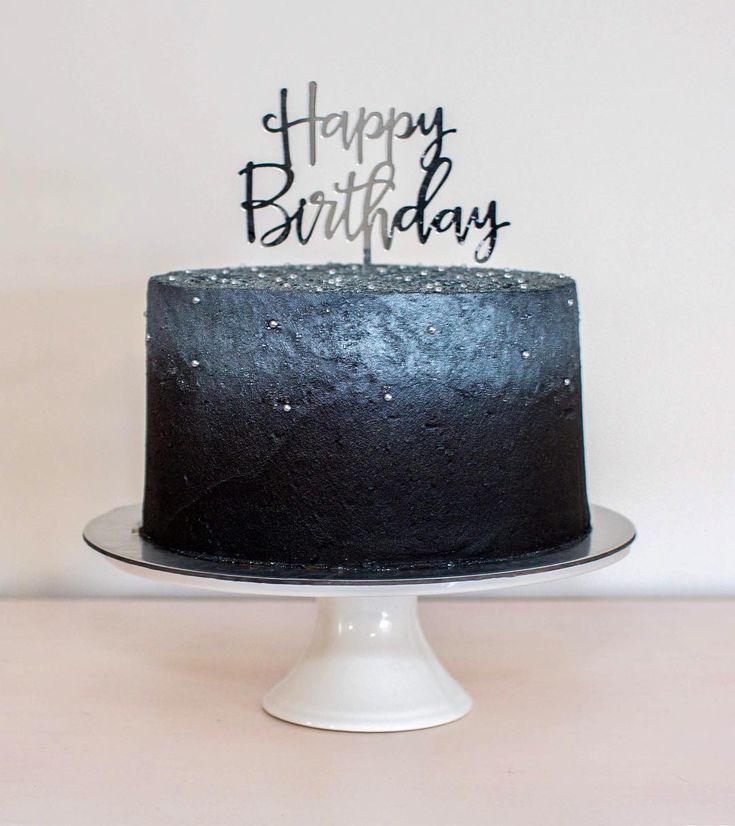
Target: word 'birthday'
{"x":355,"y":207}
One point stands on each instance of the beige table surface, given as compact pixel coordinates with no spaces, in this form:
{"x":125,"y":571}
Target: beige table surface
{"x":131,"y":711}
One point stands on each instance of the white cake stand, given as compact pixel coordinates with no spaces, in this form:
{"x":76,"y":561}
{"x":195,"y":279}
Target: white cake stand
{"x":368,"y":666}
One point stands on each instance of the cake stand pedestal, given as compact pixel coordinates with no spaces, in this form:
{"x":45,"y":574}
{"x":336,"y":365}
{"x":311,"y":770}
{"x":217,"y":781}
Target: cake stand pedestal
{"x":368,"y":666}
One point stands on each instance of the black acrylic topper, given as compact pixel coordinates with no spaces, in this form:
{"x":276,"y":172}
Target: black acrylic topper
{"x":335,"y":214}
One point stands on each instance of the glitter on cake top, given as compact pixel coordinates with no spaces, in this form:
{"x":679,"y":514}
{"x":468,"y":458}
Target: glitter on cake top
{"x":354,"y":278}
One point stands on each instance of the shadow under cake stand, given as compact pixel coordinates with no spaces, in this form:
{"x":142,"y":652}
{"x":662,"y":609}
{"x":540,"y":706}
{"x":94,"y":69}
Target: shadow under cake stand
{"x":368,"y":666}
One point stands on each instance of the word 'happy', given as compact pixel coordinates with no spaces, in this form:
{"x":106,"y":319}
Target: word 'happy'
{"x":354,"y":206}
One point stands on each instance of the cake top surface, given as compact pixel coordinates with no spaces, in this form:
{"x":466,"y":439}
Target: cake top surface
{"x":355,"y":278}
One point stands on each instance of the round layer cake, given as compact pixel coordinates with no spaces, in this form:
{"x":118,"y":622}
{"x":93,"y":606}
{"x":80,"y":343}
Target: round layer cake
{"x":351,"y":418}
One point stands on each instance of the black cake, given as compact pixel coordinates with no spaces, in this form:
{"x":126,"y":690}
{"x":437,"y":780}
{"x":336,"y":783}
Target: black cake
{"x":348,"y":418}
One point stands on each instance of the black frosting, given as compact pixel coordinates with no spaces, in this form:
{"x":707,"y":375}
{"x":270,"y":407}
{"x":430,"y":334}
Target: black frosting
{"x":351,"y":418}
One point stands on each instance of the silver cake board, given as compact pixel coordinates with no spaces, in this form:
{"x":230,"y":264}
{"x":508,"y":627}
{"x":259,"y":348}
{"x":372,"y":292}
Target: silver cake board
{"x":368,"y":666}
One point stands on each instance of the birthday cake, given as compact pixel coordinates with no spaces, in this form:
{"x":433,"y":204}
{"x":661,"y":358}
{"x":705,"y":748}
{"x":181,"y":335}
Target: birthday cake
{"x":348,"y":418}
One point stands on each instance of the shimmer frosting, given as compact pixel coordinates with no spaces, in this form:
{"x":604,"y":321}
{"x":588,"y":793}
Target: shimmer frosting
{"x":351,"y":418}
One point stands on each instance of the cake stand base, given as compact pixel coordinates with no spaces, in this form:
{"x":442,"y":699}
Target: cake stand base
{"x":368,"y":666}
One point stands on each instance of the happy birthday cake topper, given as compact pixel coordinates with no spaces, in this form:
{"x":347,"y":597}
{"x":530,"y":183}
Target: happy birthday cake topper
{"x":356,"y":208}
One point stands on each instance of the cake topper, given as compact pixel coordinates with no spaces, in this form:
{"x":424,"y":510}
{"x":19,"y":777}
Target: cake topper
{"x":356,"y":208}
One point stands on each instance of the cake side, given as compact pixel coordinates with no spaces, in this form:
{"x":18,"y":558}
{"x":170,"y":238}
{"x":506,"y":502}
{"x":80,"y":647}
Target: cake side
{"x":386,"y":419}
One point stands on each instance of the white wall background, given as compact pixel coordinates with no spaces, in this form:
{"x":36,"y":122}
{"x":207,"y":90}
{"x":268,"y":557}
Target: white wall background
{"x":604,"y":129}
